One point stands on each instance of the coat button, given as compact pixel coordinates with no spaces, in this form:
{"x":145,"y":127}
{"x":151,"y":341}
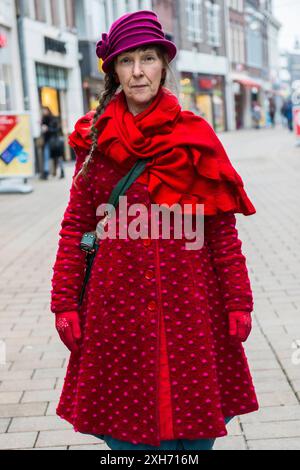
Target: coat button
{"x":149,"y":274}
{"x":151,"y":305}
{"x":147,"y":242}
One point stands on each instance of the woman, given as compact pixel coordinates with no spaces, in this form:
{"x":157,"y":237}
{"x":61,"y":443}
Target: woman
{"x":157,"y":360}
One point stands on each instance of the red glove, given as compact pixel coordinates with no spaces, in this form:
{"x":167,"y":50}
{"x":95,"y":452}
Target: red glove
{"x":240,"y":324}
{"x":68,"y":326}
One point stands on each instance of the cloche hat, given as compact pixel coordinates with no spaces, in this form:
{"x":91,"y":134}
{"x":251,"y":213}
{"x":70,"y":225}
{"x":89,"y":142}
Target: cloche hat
{"x":130,"y":31}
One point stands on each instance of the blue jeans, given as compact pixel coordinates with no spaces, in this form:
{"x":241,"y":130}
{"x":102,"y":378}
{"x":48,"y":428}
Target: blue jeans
{"x":46,"y":157}
{"x":174,"y":444}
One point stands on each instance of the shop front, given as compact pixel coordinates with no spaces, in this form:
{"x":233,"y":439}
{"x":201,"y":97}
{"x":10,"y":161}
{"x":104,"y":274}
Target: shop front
{"x":247,"y":98}
{"x":52,"y":84}
{"x":211,"y":100}
{"x":204,"y":95}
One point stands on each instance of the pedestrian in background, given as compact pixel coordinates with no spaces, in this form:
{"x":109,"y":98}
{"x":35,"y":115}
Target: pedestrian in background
{"x":50,"y":133}
{"x":57,"y":148}
{"x":157,"y":360}
{"x":272,"y":110}
{"x":287,"y":112}
{"x":256,"y":114}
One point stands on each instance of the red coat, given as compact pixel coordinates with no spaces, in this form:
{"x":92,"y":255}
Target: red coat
{"x":116,"y":385}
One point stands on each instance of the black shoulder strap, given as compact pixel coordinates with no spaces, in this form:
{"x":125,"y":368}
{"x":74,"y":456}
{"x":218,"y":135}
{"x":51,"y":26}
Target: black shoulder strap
{"x":127,"y":180}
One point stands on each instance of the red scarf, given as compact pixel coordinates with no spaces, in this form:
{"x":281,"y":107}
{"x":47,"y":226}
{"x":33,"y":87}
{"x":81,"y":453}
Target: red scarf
{"x":189,"y":163}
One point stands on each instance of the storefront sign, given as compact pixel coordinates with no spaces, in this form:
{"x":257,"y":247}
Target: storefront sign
{"x":16,"y":153}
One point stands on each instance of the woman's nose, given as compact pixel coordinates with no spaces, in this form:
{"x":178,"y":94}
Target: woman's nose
{"x":137,"y":68}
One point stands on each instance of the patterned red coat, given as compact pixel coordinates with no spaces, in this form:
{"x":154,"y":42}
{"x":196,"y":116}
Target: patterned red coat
{"x":156,"y":359}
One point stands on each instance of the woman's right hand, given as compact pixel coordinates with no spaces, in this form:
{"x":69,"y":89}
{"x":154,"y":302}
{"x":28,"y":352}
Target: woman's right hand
{"x":68,"y":327}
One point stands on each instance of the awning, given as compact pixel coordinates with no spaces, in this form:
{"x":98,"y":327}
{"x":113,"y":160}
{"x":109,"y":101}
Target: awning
{"x":247,"y":82}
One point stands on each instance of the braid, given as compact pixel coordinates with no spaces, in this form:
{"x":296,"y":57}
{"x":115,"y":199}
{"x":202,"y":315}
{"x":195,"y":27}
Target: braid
{"x":110,"y":87}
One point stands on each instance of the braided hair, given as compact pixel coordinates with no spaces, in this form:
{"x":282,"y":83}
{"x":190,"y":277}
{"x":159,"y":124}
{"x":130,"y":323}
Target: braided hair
{"x":111,"y":85}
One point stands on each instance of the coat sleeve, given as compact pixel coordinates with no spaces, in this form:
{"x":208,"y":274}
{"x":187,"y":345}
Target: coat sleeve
{"x":221,"y":235}
{"x":69,"y":266}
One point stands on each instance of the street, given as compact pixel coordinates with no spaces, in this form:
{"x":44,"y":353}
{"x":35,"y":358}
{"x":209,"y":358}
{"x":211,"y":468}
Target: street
{"x":32,"y":376}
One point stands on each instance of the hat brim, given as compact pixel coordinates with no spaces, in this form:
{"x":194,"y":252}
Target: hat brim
{"x":168,"y":45}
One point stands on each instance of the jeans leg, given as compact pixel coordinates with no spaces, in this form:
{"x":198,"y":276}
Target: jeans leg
{"x":198,"y":444}
{"x":46,"y":155}
{"x":61,"y":163}
{"x":116,"y":444}
{"x":202,"y":444}
{"x":228,"y":418}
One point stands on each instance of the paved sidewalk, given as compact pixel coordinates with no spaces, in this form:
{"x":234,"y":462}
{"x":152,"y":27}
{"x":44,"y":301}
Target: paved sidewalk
{"x":32,"y":377}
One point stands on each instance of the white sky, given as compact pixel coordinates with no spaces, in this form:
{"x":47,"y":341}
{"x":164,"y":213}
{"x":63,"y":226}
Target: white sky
{"x":288,"y":13}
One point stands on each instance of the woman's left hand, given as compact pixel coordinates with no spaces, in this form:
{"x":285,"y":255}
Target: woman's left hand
{"x":240,"y":324}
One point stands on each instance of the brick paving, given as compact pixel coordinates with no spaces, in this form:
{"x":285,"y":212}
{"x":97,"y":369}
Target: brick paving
{"x":32,"y":376}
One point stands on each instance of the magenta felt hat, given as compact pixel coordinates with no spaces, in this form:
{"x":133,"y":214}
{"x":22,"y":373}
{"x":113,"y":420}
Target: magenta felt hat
{"x":131,"y":31}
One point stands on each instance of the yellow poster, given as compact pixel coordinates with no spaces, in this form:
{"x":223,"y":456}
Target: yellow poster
{"x":204,"y":105}
{"x":16,"y":151}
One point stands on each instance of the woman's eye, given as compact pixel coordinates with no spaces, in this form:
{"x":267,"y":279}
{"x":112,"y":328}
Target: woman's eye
{"x":125,"y":60}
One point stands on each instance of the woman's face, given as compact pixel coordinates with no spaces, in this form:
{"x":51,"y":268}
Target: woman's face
{"x":140,"y":74}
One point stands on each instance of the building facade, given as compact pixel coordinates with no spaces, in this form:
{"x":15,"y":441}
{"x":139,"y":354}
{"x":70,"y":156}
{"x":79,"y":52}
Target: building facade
{"x":253,"y":59}
{"x":11,"y":94}
{"x":50,"y":62}
{"x":202,"y":59}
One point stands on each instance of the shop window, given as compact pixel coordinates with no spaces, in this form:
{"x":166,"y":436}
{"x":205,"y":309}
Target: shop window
{"x":52,"y":77}
{"x":5,"y":87}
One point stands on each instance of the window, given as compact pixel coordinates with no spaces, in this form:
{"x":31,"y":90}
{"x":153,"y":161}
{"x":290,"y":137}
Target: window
{"x":213,"y":23}
{"x":194,"y":20}
{"x":254,"y":48}
{"x":70,"y":13}
{"x":55,"y":12}
{"x":236,"y":5}
{"x":241,"y":39}
{"x":237,"y":43}
{"x":50,"y":76}
{"x":40,"y":10}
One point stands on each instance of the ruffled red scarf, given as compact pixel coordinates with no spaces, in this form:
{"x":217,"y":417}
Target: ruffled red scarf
{"x":189,"y":163}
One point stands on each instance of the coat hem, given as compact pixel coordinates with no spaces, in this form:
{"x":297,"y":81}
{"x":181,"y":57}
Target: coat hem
{"x":85,"y":430}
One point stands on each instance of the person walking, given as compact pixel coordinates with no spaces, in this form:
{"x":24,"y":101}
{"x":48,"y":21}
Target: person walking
{"x":289,"y":114}
{"x":47,"y":131}
{"x":272,"y":110}
{"x":256,"y":114}
{"x":157,"y":360}
{"x":57,"y":149}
